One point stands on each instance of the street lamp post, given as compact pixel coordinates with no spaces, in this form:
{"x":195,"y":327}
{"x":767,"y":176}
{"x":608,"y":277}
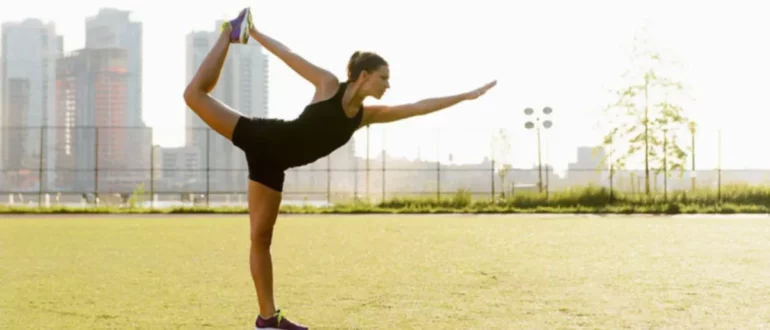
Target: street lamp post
{"x":536,"y":124}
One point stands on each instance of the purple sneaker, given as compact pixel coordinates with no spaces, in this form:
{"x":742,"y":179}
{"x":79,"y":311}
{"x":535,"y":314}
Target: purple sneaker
{"x":277,"y":322}
{"x":241,"y":26}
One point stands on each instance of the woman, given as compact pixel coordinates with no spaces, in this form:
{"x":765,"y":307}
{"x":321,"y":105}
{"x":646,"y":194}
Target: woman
{"x":272,"y":145}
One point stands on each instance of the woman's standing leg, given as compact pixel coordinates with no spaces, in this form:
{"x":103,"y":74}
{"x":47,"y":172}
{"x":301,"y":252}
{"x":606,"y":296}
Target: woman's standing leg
{"x":264,"y":204}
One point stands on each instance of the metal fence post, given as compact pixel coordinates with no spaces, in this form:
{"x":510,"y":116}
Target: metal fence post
{"x":492,"y":176}
{"x":152,"y":174}
{"x":719,"y":167}
{"x":612,"y":178}
{"x":208,"y":166}
{"x":692,"y":142}
{"x":329,"y":179}
{"x":547,"y":183}
{"x":665,"y":165}
{"x":438,"y":165}
{"x":96,"y":165}
{"x":367,"y":165}
{"x":40,"y":172}
{"x":438,"y":180}
{"x":383,"y":166}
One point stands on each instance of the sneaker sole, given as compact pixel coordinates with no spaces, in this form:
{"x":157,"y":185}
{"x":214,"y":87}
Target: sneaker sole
{"x":244,"y":32}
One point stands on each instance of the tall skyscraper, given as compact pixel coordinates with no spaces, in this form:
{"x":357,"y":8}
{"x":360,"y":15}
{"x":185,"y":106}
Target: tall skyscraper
{"x":29,"y":52}
{"x":113,"y":28}
{"x":91,"y":93}
{"x":242,"y":85}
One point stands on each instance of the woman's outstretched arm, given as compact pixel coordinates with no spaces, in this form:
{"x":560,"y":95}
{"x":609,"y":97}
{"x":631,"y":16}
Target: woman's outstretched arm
{"x":320,"y":78}
{"x":376,"y":114}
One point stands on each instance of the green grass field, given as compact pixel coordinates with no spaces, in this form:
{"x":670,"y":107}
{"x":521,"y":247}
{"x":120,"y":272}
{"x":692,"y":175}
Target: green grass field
{"x":388,"y":272}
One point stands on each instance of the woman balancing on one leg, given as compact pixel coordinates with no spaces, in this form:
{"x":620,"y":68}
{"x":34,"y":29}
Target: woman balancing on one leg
{"x":272,"y":145}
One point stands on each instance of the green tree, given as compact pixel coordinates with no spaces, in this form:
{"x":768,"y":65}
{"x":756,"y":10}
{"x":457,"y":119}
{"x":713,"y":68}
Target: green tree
{"x":646,"y":114}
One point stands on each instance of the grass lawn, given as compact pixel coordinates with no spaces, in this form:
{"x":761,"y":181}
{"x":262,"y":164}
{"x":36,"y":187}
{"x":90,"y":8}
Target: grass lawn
{"x":388,"y":272}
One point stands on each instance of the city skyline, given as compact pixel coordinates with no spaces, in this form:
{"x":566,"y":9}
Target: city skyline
{"x":584,"y":60}
{"x":91,"y":114}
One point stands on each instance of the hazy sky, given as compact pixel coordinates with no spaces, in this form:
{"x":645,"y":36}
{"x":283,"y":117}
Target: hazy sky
{"x":562,"y":54}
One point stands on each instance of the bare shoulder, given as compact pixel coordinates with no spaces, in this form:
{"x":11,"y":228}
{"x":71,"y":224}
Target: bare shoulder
{"x":326,"y":89}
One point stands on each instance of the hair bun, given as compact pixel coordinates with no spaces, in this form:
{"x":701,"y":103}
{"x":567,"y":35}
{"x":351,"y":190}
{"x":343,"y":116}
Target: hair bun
{"x":363,"y":61}
{"x":355,"y":55}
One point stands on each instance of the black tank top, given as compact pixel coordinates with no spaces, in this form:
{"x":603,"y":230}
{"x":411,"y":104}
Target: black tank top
{"x":320,"y":129}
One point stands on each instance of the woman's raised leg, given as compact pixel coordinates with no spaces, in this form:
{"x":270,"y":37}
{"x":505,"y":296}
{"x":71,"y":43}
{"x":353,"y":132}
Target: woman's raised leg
{"x":213,"y":112}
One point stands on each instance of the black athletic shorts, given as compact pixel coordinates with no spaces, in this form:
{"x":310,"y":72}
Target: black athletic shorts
{"x":250,"y":135}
